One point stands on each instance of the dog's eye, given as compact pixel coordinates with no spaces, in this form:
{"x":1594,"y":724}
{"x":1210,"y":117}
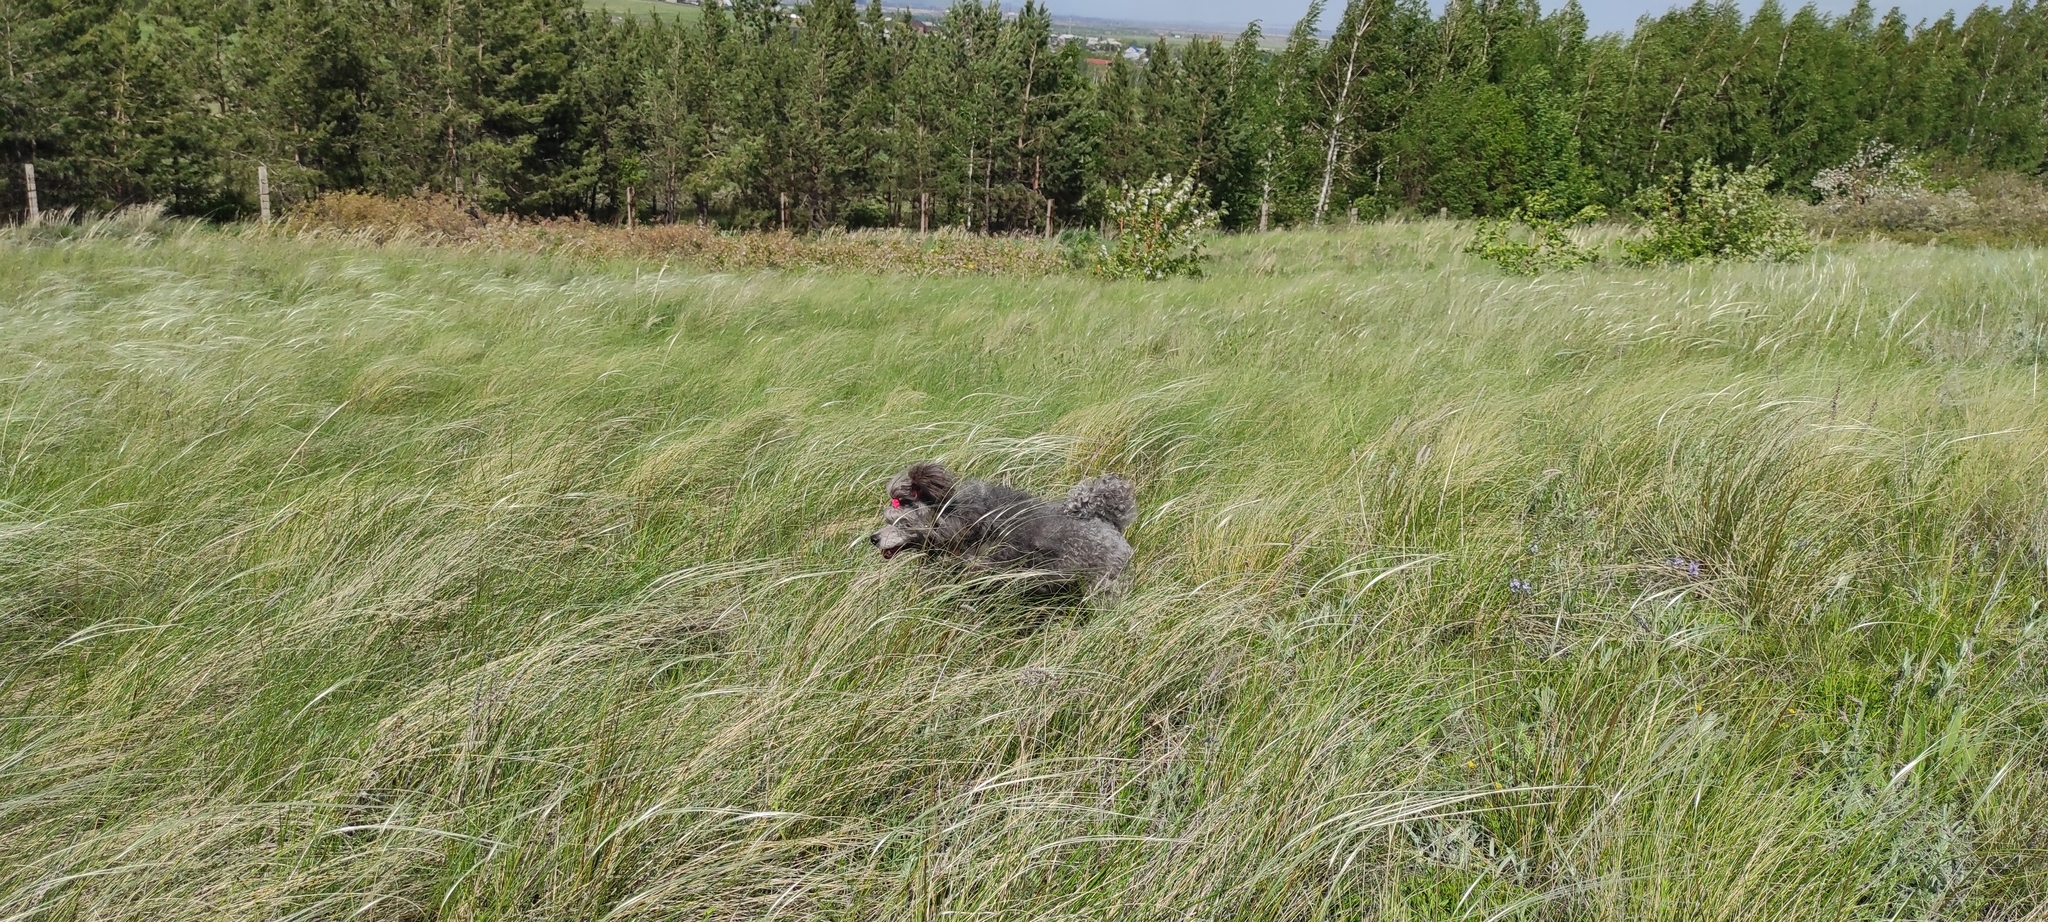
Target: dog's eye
{"x":895,"y":502}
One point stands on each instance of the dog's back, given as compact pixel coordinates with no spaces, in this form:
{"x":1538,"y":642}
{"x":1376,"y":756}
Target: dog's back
{"x":1108,"y":497}
{"x":1081,"y":538}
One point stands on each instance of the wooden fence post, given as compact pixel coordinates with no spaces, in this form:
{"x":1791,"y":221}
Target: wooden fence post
{"x":924,"y":212}
{"x":35,"y":211}
{"x":263,"y":191}
{"x":1048,"y":217}
{"x":632,"y":220}
{"x":785,"y":212}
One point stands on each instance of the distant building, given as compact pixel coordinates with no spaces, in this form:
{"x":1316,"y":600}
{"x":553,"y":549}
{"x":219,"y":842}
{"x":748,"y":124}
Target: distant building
{"x":1135,"y":54}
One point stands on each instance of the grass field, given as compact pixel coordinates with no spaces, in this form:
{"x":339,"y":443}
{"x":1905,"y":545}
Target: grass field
{"x":354,"y":582}
{"x":659,"y":9}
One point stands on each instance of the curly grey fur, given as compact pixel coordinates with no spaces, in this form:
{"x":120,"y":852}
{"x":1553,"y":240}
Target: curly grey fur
{"x":1108,"y":497}
{"x":992,"y":526}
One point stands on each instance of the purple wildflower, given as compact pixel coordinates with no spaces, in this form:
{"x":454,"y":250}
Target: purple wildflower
{"x":1520,"y":586}
{"x":1691,"y":567}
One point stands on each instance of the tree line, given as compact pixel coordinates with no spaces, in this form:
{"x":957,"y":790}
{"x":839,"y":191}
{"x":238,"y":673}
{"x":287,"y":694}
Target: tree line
{"x":827,"y":113}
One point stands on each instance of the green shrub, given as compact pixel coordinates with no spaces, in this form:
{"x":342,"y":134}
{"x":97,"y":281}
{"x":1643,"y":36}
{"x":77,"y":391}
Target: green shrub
{"x":1715,"y":214}
{"x":1546,"y":248}
{"x":1157,"y":230}
{"x":1080,"y":247}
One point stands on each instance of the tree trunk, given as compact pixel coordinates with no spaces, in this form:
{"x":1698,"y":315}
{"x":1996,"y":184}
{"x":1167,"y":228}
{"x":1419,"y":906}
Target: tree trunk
{"x":1337,"y":115}
{"x":1266,"y":192}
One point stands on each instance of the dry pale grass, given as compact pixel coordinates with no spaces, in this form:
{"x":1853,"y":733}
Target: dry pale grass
{"x":438,"y":220}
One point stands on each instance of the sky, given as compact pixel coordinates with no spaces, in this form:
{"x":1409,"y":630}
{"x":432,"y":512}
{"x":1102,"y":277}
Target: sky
{"x":1279,"y":15}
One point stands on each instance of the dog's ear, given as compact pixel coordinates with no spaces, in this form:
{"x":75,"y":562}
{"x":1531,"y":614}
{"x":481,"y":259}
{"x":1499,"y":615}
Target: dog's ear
{"x":931,"y":481}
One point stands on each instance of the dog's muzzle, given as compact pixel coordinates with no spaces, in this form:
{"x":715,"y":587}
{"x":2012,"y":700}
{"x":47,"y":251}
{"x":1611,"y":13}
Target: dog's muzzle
{"x":887,"y":552}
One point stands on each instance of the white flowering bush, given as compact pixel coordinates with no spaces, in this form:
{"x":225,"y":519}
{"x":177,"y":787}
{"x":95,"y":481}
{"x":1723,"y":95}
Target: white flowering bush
{"x":1882,"y":189}
{"x":1157,"y":230}
{"x":1878,"y":170}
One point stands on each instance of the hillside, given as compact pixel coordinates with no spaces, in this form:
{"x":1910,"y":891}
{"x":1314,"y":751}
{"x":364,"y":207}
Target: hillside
{"x":674,"y":12}
{"x":1128,"y":32}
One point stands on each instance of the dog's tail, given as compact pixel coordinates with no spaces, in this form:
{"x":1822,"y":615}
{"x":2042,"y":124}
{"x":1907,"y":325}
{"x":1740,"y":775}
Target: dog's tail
{"x":1108,"y":497}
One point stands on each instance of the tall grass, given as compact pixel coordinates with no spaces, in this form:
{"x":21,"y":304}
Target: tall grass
{"x":364,"y":583}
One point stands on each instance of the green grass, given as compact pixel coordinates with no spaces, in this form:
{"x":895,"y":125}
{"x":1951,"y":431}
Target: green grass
{"x":671,"y":12}
{"x":345,"y":582}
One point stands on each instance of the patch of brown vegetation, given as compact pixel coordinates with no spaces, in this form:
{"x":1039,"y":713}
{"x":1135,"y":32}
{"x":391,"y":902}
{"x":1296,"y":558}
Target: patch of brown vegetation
{"x":439,"y":220}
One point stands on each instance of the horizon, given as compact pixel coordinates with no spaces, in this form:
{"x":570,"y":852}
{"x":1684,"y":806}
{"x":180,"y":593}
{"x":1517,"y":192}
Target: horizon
{"x":1277,"y":18}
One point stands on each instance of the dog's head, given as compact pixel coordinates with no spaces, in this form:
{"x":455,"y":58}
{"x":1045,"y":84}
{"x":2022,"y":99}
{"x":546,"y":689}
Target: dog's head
{"x":910,"y":514}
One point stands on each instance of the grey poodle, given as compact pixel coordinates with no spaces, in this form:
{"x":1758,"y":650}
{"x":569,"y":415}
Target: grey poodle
{"x":993,"y":526}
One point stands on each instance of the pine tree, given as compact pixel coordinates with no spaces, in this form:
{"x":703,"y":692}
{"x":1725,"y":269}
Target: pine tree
{"x":1236,"y":180}
{"x":830,"y":146}
{"x":926,"y":120}
{"x":1126,"y":157}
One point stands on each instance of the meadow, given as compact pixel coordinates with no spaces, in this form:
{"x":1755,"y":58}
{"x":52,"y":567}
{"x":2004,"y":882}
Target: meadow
{"x":643,"y":9}
{"x":365,"y":581}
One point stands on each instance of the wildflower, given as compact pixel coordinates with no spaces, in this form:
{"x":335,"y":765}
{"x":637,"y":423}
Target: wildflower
{"x":1472,"y":764}
{"x":1534,"y":547}
{"x":1691,"y":567}
{"x":1520,"y":586}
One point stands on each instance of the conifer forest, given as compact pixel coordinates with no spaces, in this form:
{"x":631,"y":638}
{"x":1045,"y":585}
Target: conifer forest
{"x":828,"y":114}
